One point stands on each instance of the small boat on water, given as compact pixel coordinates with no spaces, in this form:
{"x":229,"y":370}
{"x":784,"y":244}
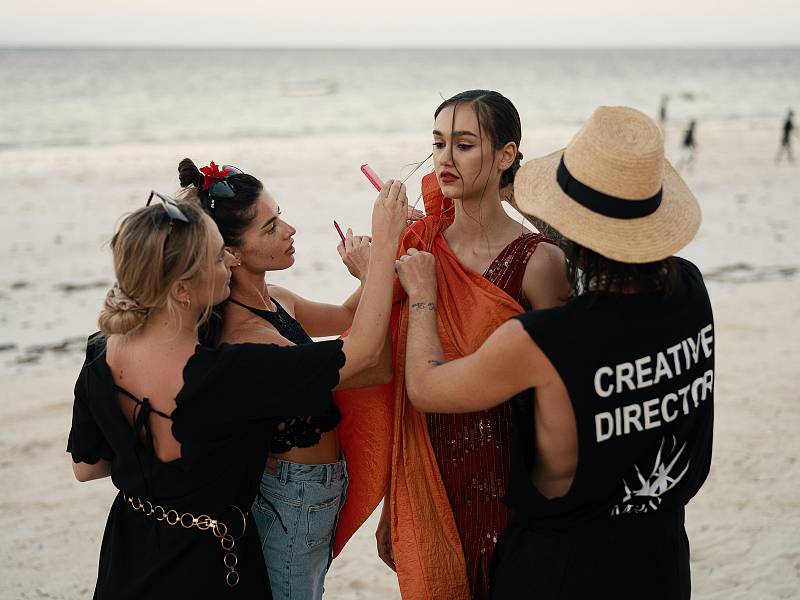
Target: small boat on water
{"x":316,"y":87}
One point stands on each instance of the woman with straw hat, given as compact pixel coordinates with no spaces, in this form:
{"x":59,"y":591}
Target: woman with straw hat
{"x":618,"y":437}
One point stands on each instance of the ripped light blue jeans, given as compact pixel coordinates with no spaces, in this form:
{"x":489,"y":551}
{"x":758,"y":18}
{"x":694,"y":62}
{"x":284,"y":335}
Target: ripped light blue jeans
{"x":296,"y":513}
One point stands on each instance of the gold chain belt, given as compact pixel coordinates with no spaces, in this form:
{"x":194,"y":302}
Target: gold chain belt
{"x":202,"y":522}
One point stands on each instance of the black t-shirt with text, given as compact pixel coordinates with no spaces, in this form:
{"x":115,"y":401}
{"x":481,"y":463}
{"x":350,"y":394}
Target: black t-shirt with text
{"x":639,"y":370}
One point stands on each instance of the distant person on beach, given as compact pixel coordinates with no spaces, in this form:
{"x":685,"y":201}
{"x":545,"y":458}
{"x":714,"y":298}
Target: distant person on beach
{"x":183,"y":429}
{"x":449,"y":472}
{"x":786,"y":139}
{"x":688,"y":148}
{"x":662,"y":112}
{"x":305,"y":476}
{"x":616,"y":438}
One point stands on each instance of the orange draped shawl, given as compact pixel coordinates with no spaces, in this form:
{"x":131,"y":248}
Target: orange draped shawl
{"x":385,"y":439}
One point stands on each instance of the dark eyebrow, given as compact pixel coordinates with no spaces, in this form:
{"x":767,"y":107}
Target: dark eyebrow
{"x":461,"y":132}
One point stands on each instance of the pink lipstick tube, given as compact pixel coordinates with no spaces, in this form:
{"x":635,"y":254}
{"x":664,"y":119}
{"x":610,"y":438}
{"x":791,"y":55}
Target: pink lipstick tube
{"x":372,"y":176}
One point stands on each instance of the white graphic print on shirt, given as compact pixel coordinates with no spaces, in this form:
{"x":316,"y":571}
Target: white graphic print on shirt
{"x":646,"y":493}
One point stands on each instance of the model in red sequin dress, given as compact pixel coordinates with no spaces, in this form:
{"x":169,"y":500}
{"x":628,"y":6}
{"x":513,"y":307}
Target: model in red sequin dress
{"x":473,"y":450}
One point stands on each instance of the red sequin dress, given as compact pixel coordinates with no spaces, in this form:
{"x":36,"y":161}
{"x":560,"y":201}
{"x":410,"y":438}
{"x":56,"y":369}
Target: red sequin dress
{"x":473,"y":450}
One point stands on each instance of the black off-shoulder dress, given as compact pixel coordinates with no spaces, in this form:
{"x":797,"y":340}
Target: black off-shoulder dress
{"x":170,"y":528}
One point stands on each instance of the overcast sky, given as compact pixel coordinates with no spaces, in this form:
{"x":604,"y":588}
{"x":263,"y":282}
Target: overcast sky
{"x":404,"y":23}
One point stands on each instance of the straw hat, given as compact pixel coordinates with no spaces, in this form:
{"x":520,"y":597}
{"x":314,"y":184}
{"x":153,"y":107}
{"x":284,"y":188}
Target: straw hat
{"x":614,"y":192}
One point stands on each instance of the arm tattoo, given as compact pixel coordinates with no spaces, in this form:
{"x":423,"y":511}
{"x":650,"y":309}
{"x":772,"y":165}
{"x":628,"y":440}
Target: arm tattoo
{"x":435,"y":363}
{"x":424,"y":305}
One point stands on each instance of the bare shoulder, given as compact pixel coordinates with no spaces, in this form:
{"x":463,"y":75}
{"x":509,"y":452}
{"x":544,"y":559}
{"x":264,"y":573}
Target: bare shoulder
{"x":112,"y":349}
{"x":251,"y":332}
{"x":547,"y":258}
{"x":286,"y":297}
{"x":510,"y":337}
{"x":545,"y":282}
{"x":512,"y":349}
{"x":119,"y":348}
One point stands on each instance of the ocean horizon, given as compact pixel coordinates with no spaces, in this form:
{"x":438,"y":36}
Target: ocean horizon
{"x":81,"y":96}
{"x":89,"y":132}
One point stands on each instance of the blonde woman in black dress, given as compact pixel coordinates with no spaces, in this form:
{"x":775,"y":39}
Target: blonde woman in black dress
{"x":184,"y":430}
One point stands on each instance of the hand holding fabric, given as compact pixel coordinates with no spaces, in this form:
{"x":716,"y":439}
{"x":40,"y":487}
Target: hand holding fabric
{"x":417,"y":273}
{"x":414,"y":215}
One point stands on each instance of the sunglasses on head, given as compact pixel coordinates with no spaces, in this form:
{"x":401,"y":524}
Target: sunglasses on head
{"x":171,"y":207}
{"x":222,"y":189}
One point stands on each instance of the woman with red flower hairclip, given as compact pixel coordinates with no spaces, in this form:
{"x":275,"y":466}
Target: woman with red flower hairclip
{"x":183,"y":429}
{"x":305,"y":477}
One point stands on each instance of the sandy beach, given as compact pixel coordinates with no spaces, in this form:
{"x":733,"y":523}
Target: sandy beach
{"x":60,"y":208}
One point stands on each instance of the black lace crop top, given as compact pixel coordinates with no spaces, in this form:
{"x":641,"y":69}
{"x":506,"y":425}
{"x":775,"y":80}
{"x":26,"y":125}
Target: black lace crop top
{"x":295,"y":432}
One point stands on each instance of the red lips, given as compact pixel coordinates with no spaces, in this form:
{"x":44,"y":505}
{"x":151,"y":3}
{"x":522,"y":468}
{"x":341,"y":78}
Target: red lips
{"x":448,"y":177}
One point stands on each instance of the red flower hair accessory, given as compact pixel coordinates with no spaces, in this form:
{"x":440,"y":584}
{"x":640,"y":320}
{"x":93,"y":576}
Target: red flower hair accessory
{"x":212,"y":174}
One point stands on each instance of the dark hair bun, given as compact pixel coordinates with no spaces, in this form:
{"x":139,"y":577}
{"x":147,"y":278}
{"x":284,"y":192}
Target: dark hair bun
{"x":189,"y":174}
